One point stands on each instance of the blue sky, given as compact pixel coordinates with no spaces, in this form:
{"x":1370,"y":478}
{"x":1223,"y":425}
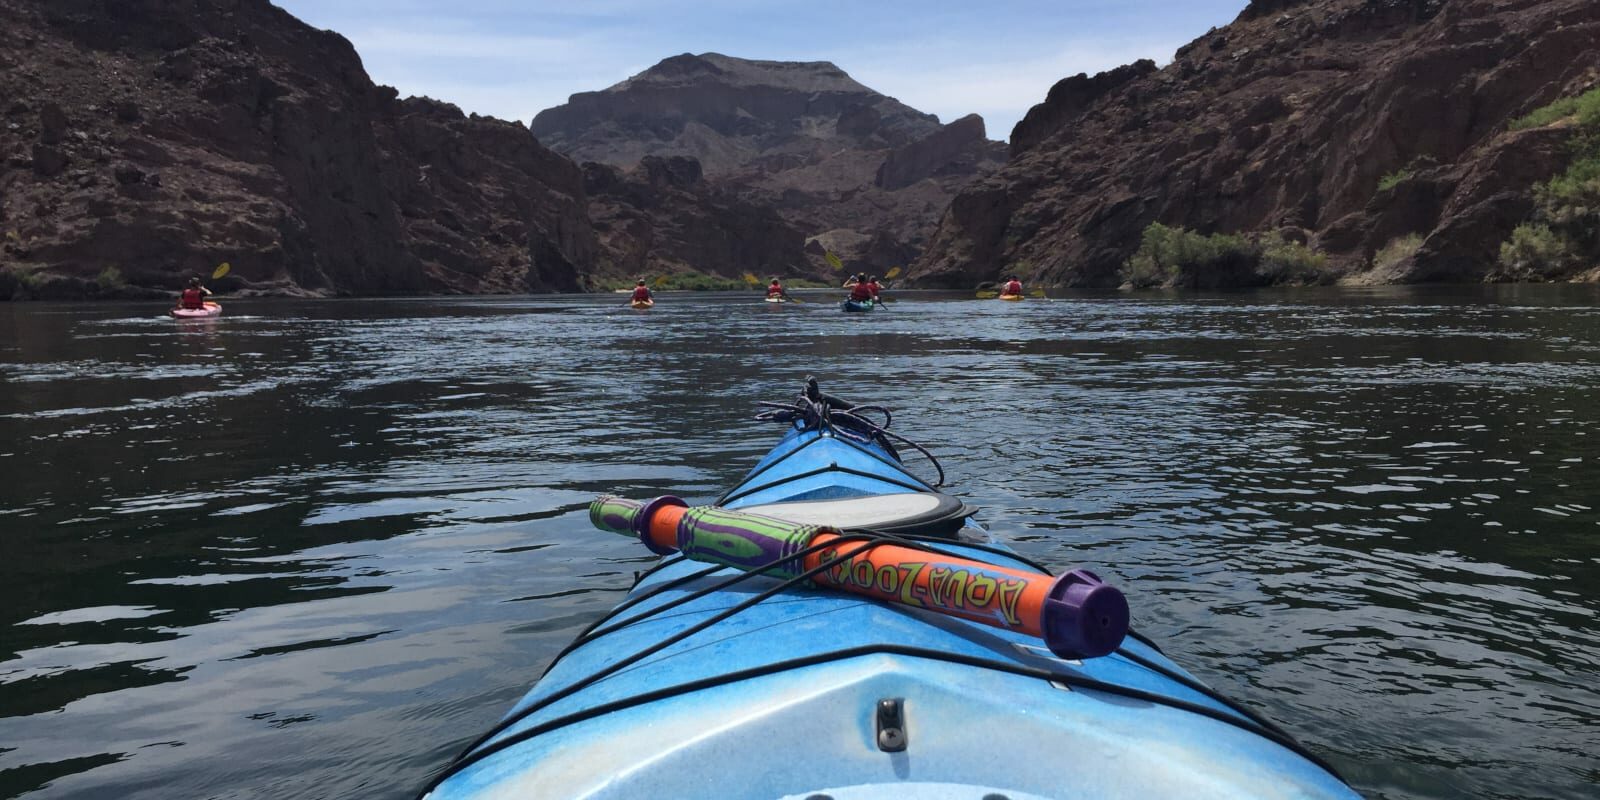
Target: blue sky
{"x":513,"y":58}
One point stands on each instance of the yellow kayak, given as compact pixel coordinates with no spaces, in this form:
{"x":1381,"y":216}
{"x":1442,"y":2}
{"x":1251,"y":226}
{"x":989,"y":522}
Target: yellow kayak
{"x":1011,"y":297}
{"x":641,"y":303}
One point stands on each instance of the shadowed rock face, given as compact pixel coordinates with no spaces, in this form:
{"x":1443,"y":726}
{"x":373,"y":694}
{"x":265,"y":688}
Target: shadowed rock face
{"x":803,"y":138}
{"x":161,"y":137}
{"x":1287,"y":120}
{"x":662,"y":217}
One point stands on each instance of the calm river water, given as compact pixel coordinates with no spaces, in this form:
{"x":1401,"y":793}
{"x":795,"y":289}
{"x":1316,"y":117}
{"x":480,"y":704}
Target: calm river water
{"x":310,"y":549}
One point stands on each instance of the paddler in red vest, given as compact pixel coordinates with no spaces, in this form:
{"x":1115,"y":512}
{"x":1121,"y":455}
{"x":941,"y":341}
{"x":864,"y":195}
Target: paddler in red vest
{"x":872,"y":283}
{"x":1013,"y":287}
{"x":775,"y":289}
{"x":862,"y":291}
{"x":194,"y":297}
{"x":641,"y":293}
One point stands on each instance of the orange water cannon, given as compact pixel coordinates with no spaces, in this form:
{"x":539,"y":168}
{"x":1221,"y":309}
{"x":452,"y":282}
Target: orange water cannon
{"x":1076,"y":614}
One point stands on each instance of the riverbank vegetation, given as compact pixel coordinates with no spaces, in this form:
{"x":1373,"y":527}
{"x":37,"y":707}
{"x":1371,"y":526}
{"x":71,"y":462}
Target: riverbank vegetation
{"x":1564,"y":234}
{"x":701,"y":282}
{"x":1179,"y":257}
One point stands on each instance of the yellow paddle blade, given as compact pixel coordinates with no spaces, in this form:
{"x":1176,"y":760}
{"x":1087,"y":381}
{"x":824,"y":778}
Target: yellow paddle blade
{"x":221,"y":270}
{"x":662,"y":281}
{"x":1036,"y":293}
{"x":894,"y":272}
{"x":12,"y":235}
{"x":988,"y":295}
{"x":750,"y":279}
{"x":833,"y":260}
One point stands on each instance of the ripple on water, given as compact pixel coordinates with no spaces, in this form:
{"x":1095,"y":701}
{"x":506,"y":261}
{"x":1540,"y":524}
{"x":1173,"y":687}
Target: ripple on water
{"x":313,"y":549}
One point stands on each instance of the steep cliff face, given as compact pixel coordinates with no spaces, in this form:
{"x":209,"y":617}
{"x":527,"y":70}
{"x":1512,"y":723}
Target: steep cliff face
{"x":148,"y":140}
{"x":1343,"y":123}
{"x":833,"y":157}
{"x":663,"y":217}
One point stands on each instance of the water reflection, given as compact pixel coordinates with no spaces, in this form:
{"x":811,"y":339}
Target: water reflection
{"x":311,"y":548}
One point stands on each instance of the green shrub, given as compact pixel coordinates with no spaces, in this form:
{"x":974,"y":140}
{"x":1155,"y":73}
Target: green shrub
{"x":1169,"y":256}
{"x":1287,"y":261}
{"x":110,"y":278}
{"x":27,"y":278}
{"x":18,"y":283}
{"x":1396,"y":251}
{"x":1394,"y":179}
{"x":1564,"y":233}
{"x":698,"y":282}
{"x":1570,"y":201}
{"x":1584,"y":109}
{"x":1536,"y":251}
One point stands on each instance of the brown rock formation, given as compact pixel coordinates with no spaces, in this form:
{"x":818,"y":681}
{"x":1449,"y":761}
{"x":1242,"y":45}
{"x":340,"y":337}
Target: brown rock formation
{"x":161,"y":137}
{"x":662,"y":217}
{"x":1288,"y":119}
{"x":829,"y":154}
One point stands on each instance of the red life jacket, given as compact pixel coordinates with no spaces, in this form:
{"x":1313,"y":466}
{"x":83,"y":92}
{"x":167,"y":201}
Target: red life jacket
{"x":862,"y":291}
{"x":192,"y":298}
{"x":774,"y":290}
{"x":876,"y":287}
{"x":1014,"y":287}
{"x":641,"y":293}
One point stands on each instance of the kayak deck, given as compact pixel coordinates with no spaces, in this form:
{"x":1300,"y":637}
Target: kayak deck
{"x":711,"y":682}
{"x":779,"y":700}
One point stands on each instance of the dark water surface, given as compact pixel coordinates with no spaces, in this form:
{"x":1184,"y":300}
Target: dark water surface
{"x":310,"y":549}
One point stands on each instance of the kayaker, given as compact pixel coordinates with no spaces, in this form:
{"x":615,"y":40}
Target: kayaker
{"x":862,"y":291}
{"x":1013,"y":286}
{"x":872,"y":283}
{"x":775,"y":289}
{"x":641,"y":293}
{"x":193,"y":297}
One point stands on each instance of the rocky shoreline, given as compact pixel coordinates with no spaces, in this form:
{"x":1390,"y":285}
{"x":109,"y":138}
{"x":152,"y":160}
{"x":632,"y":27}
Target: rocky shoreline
{"x":1378,"y":136}
{"x":1310,"y":141}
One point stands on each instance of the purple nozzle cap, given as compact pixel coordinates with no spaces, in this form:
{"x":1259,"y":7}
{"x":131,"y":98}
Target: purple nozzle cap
{"x":641,"y":521}
{"x":1084,"y":617}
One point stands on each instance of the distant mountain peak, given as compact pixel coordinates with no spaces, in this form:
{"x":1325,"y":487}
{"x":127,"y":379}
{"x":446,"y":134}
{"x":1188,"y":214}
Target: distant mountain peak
{"x":728,"y":112}
{"x":829,"y":154}
{"x":711,"y":69}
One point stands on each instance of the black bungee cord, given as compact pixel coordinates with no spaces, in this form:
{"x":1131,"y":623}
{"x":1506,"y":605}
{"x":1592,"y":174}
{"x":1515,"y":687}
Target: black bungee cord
{"x":820,"y":411}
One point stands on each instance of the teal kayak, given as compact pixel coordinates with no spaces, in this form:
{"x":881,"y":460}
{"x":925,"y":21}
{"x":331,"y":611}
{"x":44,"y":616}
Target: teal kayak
{"x":836,"y":626}
{"x":857,"y":305}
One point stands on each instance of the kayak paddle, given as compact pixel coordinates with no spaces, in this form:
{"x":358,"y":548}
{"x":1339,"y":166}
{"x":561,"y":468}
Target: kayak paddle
{"x":221,"y":270}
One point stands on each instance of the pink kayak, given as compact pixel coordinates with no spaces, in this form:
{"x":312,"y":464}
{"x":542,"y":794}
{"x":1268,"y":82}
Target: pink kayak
{"x":210,"y":310}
